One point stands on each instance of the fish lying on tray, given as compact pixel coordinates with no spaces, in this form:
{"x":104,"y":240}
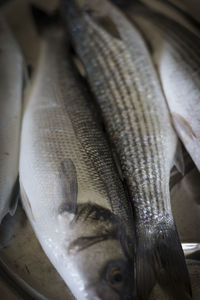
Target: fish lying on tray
{"x":121,"y":74}
{"x":176,"y":54}
{"x":172,"y":12}
{"x":189,"y":7}
{"x":70,"y":187}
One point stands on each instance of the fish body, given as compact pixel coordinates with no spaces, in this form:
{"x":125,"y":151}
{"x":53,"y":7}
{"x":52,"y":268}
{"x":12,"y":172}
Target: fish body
{"x":11,"y":83}
{"x":176,"y":54}
{"x":122,"y":77}
{"x":190,"y":7}
{"x":165,"y":8}
{"x":70,"y":187}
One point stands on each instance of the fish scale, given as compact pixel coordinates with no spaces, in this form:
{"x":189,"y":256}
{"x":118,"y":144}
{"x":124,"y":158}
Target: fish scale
{"x":121,"y":75}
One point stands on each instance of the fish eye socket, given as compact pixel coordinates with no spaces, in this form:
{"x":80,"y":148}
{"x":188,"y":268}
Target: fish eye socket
{"x":115,"y":277}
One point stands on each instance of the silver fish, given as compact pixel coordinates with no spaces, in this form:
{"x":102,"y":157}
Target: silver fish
{"x":190,"y":7}
{"x":176,"y":54}
{"x":165,"y":8}
{"x":70,"y":187}
{"x":11,"y":82}
{"x":122,"y":76}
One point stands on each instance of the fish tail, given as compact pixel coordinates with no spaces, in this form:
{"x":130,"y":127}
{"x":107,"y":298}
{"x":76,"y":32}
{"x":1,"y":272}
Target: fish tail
{"x":160,"y":259}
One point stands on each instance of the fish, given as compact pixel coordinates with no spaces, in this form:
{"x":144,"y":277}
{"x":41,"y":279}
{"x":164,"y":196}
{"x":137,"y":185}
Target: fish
{"x":165,"y":8}
{"x":11,"y":88}
{"x":70,"y":187}
{"x":175,"y":51}
{"x":189,"y":7}
{"x":122,"y":77}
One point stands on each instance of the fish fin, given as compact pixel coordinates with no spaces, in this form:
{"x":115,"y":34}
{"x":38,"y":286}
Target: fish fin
{"x":118,"y":165}
{"x":14,"y":197}
{"x":85,"y":242}
{"x":68,"y":186}
{"x":178,"y":159}
{"x":79,"y":65}
{"x":109,"y":26}
{"x":160,"y":259}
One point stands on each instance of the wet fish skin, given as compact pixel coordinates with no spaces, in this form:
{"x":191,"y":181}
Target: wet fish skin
{"x":176,"y":55}
{"x":165,"y":8}
{"x":189,"y":7}
{"x":11,"y":85}
{"x":121,"y":75}
{"x":73,"y":195}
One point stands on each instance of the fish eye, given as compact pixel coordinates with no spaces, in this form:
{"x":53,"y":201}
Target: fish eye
{"x":115,"y":277}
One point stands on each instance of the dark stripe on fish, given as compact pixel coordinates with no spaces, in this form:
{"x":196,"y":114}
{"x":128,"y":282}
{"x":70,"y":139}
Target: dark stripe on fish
{"x":129,"y":92}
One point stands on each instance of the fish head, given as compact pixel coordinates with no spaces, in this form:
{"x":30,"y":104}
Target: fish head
{"x":96,"y":245}
{"x":105,"y":272}
{"x":100,"y":262}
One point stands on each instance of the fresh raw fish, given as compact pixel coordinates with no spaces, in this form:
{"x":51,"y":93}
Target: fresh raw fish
{"x":176,"y":54}
{"x":70,"y":186}
{"x":121,"y":75}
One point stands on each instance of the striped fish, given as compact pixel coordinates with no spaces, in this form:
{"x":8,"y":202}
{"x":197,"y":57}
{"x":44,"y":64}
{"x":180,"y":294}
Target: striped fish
{"x":176,"y":55}
{"x":122,"y":77}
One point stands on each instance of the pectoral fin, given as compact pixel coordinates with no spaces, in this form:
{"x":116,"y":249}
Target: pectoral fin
{"x":67,"y":185}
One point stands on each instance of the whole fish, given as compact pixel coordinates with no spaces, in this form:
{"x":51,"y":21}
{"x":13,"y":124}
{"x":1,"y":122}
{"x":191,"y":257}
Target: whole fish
{"x":70,"y":187}
{"x":176,"y":54}
{"x":121,"y":75}
{"x":11,"y":83}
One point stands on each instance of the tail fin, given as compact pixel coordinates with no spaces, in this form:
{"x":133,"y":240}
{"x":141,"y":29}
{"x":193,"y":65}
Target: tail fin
{"x":160,"y":259}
